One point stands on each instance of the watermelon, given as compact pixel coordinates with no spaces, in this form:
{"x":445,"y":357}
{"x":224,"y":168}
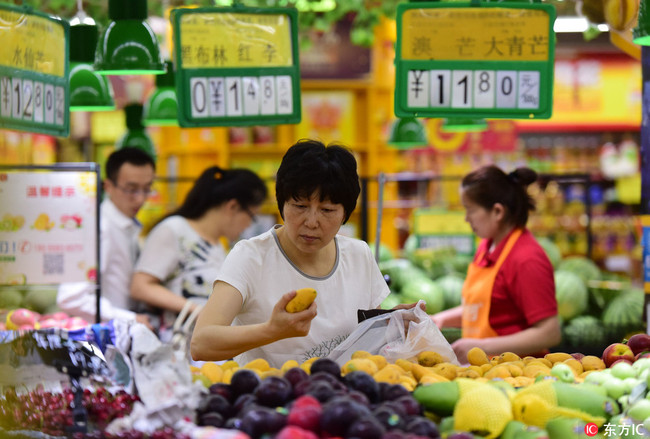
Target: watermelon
{"x":400,"y":271}
{"x":582,"y":266}
{"x":551,"y":249}
{"x":391,"y":301}
{"x":452,"y":287}
{"x":608,"y":288}
{"x":385,"y":253}
{"x":624,"y":313}
{"x":585,"y":331}
{"x":10,"y":299}
{"x":571,"y":294}
{"x":40,"y":299}
{"x":460,"y":262}
{"x":424,"y":289}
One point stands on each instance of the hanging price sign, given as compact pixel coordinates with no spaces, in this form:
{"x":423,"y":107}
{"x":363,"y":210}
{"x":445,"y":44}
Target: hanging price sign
{"x":478,"y":59}
{"x":236,"y":66}
{"x":34,"y":71}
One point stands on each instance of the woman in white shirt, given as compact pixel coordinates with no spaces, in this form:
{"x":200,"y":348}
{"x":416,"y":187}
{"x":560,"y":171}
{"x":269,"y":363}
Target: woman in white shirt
{"x":317,"y":187}
{"x":183,"y":253}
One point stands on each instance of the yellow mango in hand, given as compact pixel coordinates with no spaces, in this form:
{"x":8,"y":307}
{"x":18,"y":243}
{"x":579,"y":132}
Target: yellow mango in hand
{"x":304,"y":298}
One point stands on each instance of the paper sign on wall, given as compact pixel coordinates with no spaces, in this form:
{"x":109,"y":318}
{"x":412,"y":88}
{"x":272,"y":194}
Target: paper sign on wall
{"x":48,"y":227}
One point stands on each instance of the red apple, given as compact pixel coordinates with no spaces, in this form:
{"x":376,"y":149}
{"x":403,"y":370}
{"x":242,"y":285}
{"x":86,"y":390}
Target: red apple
{"x":639,"y":343}
{"x":621,"y":360}
{"x":58,"y":316}
{"x":578,"y":356}
{"x":50,"y":323}
{"x":617,"y":351}
{"x":21,"y":317}
{"x":644,"y":354}
{"x":73,"y":323}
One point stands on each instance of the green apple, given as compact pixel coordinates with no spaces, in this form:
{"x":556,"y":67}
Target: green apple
{"x":641,"y":364}
{"x":640,"y":410}
{"x":646,"y":423}
{"x":631,"y":383}
{"x":598,"y":377}
{"x":563,"y":372}
{"x":623,"y":370}
{"x":597,"y":388}
{"x":615,"y":387}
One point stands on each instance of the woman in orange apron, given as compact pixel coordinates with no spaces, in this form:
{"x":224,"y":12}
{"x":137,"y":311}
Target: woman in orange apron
{"x":508,"y":299}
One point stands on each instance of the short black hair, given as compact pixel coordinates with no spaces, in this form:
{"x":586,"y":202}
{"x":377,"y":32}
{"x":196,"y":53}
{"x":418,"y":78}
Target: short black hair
{"x":309,"y":166}
{"x":128,"y":154}
{"x":216,"y":186}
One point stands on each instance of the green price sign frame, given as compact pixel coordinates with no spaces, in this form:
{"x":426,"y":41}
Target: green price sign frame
{"x":34,"y":72}
{"x":475,"y":59}
{"x":236,"y":66}
{"x":436,"y":228}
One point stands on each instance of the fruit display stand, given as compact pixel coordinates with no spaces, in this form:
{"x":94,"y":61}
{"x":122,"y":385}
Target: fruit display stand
{"x":163,"y":396}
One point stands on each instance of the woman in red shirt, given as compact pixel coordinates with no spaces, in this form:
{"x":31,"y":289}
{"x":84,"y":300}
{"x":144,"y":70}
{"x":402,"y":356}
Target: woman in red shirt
{"x":509,"y":300}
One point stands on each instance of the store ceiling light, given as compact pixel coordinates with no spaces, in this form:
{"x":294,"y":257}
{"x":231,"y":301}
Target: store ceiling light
{"x":641,"y":33}
{"x":128,"y":45}
{"x":161,"y":109}
{"x":459,"y":124}
{"x":575,"y":24}
{"x":407,"y":133}
{"x":135,"y":135}
{"x":88,"y":90}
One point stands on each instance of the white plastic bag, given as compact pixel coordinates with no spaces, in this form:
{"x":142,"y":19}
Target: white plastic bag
{"x":385,"y":335}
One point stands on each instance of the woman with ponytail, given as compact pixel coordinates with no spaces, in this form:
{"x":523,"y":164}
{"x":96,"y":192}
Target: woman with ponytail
{"x":183,"y":253}
{"x":509,"y":294}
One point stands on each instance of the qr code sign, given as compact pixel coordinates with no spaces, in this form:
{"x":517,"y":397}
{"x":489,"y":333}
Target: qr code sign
{"x":53,"y":263}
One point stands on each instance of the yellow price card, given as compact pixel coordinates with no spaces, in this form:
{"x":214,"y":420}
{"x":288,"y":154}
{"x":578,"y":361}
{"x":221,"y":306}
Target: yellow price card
{"x":235,"y":40}
{"x":475,"y":34}
{"x":31,"y":42}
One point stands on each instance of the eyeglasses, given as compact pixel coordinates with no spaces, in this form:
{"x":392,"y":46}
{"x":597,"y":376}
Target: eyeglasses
{"x":135,"y":191}
{"x":249,"y":213}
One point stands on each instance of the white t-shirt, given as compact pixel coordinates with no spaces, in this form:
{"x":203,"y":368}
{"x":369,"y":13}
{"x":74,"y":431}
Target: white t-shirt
{"x":185,"y":263}
{"x":262,"y":273}
{"x":118,"y":252}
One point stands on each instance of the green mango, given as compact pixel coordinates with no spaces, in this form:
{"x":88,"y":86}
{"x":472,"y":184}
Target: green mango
{"x":439,"y":398}
{"x":518,"y":430}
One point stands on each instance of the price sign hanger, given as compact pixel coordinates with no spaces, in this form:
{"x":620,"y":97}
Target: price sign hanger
{"x":34,"y":70}
{"x":236,"y":66}
{"x":475,"y":59}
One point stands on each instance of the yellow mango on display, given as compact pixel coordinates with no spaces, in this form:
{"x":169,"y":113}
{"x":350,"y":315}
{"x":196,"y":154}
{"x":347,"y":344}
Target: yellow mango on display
{"x":364,"y":364}
{"x":477,"y":356}
{"x":258,"y":364}
{"x":306,"y":365}
{"x":554,"y":357}
{"x":212,"y":371}
{"x":304,"y":298}
{"x":592,"y":362}
{"x":289,"y":364}
{"x":379,"y":360}
{"x":429,"y":358}
{"x":508,"y":357}
{"x":390,"y":373}
{"x":361,"y":354}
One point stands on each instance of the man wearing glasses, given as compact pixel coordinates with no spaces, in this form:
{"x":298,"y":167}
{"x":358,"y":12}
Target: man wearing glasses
{"x":129,"y":177}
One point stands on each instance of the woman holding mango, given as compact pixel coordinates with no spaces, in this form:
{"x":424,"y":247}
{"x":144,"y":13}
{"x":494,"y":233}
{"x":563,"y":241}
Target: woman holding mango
{"x":246,"y":317}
